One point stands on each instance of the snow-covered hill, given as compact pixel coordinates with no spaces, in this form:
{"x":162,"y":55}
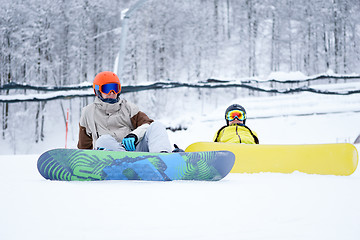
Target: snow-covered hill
{"x":241,"y":206}
{"x":284,"y":119}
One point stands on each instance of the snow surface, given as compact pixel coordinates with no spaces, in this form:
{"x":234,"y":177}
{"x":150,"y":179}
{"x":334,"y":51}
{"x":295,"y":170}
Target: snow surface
{"x":241,"y":206}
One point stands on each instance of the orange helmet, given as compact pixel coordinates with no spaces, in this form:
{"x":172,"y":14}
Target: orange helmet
{"x":106,"y":82}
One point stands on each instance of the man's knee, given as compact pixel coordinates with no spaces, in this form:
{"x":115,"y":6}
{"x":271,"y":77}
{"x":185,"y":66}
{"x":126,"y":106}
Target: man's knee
{"x":157,"y":125}
{"x":107,"y":142}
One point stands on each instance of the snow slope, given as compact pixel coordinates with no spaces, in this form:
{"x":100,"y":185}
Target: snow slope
{"x":241,"y":206}
{"x":284,"y":119}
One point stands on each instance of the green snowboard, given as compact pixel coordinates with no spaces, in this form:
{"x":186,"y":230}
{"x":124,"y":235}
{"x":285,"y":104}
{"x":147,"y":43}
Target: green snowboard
{"x":89,"y":165}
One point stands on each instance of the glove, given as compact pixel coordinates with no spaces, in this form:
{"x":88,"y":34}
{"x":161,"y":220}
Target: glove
{"x":129,"y":142}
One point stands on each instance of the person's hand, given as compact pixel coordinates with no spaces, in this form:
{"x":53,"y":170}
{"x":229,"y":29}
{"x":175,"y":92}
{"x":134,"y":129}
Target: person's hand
{"x":129,"y":142}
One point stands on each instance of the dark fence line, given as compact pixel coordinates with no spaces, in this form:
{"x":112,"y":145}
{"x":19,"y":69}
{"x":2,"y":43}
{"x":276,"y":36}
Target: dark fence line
{"x":63,"y":92}
{"x":19,"y":86}
{"x":319,"y":77}
{"x":159,"y":85}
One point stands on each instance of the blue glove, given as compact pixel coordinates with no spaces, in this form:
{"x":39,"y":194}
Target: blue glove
{"x":129,"y":142}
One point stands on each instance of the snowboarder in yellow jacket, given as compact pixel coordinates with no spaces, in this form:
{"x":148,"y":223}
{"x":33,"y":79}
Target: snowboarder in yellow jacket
{"x":235,"y":130}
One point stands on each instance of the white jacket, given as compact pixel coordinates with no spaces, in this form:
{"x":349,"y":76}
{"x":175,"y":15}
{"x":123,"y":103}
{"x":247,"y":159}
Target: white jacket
{"x":118,"y":120}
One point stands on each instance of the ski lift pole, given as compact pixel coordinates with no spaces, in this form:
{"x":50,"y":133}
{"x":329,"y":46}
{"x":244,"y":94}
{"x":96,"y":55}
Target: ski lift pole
{"x":125,"y":16}
{"x":67,"y":127}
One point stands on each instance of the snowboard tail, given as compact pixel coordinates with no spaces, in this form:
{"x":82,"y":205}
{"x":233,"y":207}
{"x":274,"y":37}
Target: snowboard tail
{"x":92,"y":165}
{"x":327,"y":159}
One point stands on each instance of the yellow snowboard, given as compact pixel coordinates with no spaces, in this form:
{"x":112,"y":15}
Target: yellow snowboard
{"x":328,"y":159}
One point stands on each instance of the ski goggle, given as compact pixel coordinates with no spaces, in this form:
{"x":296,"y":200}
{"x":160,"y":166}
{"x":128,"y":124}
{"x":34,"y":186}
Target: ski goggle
{"x":231,"y":115}
{"x":108,"y":88}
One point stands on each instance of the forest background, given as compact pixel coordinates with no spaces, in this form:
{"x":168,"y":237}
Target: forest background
{"x":64,"y":43}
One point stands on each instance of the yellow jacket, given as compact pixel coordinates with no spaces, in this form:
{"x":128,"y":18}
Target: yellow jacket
{"x":237,"y":133}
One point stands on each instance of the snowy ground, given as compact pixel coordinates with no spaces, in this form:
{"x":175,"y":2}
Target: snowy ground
{"x":241,"y":206}
{"x":284,"y":119}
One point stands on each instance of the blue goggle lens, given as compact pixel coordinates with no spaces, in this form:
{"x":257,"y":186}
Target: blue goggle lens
{"x":110,"y":87}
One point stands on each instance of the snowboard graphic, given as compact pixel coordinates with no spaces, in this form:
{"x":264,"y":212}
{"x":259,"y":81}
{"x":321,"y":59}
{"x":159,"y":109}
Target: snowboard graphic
{"x":89,"y":165}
